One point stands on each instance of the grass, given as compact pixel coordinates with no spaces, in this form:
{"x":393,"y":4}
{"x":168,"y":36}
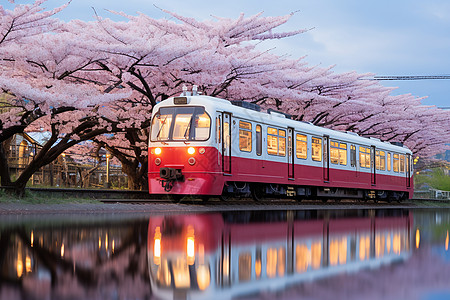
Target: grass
{"x":431,"y":204}
{"x":435,"y":179}
{"x":33,"y":198}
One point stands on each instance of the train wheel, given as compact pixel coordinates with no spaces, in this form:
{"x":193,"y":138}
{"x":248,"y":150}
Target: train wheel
{"x":257,"y":192}
{"x":204,"y":198}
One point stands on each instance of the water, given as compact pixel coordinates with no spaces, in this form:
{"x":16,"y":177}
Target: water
{"x":309,"y":254}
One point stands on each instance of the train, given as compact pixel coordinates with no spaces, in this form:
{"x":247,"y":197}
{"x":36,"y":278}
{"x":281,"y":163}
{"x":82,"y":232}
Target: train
{"x":233,"y":254}
{"x":210,"y":147}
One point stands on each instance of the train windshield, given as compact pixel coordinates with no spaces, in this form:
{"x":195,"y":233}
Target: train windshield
{"x":181,"y":124}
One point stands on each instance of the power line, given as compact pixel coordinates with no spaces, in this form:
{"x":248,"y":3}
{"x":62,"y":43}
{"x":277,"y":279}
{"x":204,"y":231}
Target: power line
{"x":409,"y":77}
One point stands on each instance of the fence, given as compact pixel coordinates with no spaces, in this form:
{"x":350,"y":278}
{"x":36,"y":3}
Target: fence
{"x":65,"y":172}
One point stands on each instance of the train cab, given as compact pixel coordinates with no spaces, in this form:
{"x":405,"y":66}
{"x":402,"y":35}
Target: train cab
{"x":183,"y":148}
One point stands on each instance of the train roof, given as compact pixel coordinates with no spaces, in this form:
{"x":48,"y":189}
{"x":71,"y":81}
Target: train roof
{"x":277,"y":118}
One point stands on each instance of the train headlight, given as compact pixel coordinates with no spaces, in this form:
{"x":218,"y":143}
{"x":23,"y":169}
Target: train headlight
{"x":190,"y":245}
{"x":157,"y":246}
{"x":158,"y":151}
{"x":191,"y":150}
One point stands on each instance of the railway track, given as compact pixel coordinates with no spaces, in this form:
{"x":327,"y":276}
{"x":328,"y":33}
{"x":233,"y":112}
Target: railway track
{"x":143,"y":197}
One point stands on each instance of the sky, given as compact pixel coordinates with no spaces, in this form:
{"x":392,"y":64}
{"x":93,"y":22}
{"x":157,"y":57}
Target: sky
{"x":384,"y":37}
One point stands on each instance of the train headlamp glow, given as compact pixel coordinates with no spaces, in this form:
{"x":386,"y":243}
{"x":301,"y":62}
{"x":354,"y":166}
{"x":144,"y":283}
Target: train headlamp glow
{"x":158,"y":151}
{"x":157,"y":246}
{"x":190,"y":245}
{"x":191,"y":150}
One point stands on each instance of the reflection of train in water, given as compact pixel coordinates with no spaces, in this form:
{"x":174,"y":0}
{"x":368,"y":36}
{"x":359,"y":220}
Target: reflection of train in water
{"x":231,"y":254}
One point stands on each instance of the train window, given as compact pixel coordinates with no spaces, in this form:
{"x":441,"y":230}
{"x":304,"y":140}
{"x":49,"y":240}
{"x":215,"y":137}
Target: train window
{"x":245,"y":136}
{"x":161,"y":127}
{"x":276,"y":141}
{"x":396,"y":164}
{"x":226,"y":137}
{"x":182,"y":124}
{"x":316,"y":255}
{"x":306,"y":258}
{"x":364,"y":247}
{"x":245,"y":266}
{"x":218,"y":130}
{"x":316,"y":148}
{"x":181,"y":275}
{"x":380,"y":160}
{"x":189,"y":123}
{"x":343,"y":153}
{"x":258,"y":140}
{"x":338,"y":251}
{"x":302,"y":258}
{"x":389,"y":161}
{"x":258,"y":266}
{"x":334,"y":152}
{"x":338,"y":153}
{"x":364,"y":157}
{"x":202,"y":123}
{"x":302,"y":146}
{"x":402,"y":163}
{"x":276,"y":262}
{"x":353,"y":155}
{"x":282,"y":143}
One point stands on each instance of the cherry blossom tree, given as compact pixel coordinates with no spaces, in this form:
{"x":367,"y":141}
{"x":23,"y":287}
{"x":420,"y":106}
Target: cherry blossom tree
{"x":154,"y":58}
{"x":43,"y":88}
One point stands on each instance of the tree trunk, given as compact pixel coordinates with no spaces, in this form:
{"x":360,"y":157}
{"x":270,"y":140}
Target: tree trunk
{"x":5,"y":176}
{"x":15,"y":188}
{"x":136,"y":180}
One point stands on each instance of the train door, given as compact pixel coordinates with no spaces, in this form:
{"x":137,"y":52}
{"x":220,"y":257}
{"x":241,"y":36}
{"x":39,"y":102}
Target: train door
{"x":326,"y":158}
{"x":408,"y":170}
{"x":353,"y":160}
{"x":224,"y":264}
{"x":226,"y":142}
{"x":373,"y":166}
{"x":290,"y":153}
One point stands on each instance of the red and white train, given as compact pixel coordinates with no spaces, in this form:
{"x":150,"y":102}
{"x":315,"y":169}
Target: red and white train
{"x":206,"y":146}
{"x":222,"y":256}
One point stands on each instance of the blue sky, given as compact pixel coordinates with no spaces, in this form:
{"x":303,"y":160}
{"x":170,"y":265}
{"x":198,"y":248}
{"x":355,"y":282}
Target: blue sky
{"x":385,"y":37}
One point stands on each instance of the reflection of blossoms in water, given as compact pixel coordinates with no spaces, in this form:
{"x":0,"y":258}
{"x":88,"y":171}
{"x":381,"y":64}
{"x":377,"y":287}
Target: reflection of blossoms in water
{"x":79,"y":258}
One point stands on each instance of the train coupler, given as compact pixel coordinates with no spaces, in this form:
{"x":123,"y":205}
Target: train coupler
{"x":169,"y":176}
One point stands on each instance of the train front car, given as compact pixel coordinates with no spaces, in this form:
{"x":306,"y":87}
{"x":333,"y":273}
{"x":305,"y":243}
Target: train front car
{"x":183,"y":158}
